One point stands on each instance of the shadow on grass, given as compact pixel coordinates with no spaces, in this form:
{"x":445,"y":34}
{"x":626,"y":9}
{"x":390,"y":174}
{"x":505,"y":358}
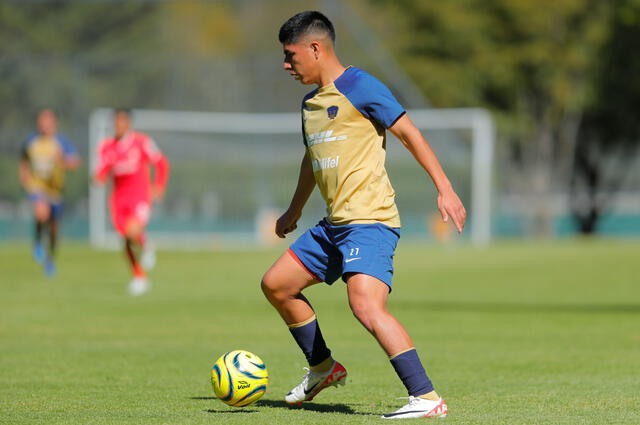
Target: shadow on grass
{"x":313,"y":407}
{"x":281,"y":404}
{"x":221,"y":410}
{"x":492,"y":307}
{"x":230,"y":411}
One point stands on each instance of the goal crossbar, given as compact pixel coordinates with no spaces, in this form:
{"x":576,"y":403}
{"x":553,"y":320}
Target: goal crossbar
{"x":477,"y":120}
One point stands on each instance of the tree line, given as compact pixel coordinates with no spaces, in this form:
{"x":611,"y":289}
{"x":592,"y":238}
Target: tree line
{"x":562,"y":77}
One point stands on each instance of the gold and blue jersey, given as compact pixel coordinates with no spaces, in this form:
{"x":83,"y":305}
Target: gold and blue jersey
{"x":344,"y":128}
{"x":46,"y":157}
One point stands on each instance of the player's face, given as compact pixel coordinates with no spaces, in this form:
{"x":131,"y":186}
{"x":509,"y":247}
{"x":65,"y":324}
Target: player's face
{"x":121,"y":124}
{"x":47,"y":124}
{"x":300,"y":62}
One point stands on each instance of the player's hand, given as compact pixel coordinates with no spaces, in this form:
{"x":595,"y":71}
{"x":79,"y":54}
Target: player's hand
{"x":72,"y":162}
{"x":157,"y":193}
{"x":26,"y":183}
{"x":287,"y":222}
{"x":100,"y":178}
{"x":450,"y":205}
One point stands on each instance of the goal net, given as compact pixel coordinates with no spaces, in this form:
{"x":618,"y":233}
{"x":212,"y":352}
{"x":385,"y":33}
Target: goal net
{"x":233,"y":174}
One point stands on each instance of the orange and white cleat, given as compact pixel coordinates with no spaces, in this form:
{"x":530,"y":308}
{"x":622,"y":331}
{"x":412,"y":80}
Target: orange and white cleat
{"x":312,"y":383}
{"x":420,"y":408}
{"x":139,"y":285}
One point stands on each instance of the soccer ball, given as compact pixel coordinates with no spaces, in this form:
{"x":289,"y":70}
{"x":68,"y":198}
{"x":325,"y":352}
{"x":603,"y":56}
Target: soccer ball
{"x":239,"y":378}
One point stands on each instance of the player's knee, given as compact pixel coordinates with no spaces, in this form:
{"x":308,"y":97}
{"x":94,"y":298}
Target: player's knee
{"x":268,"y":284}
{"x":42,"y":212}
{"x":273,"y":288}
{"x":133,"y":231}
{"x":265,"y":287}
{"x":362,"y":310}
{"x":42,"y":217}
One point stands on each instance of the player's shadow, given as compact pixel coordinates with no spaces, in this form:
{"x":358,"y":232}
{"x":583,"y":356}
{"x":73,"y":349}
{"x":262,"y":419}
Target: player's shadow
{"x":221,"y":411}
{"x":313,"y":407}
{"x":230,"y":411}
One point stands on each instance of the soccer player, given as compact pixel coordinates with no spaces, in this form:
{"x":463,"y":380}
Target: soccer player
{"x":45,"y":157}
{"x":344,"y":122}
{"x":126,"y":157}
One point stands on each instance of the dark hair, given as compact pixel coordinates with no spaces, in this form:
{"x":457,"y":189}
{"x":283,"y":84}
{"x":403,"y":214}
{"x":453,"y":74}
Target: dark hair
{"x":47,"y":109}
{"x":126,"y":111}
{"x":304,"y":23}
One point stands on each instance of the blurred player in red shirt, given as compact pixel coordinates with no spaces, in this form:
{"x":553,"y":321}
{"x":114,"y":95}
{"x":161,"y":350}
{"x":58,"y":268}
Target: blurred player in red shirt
{"x":126,"y":157}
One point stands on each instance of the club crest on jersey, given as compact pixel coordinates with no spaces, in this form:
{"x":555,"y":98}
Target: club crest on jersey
{"x":332,"y":112}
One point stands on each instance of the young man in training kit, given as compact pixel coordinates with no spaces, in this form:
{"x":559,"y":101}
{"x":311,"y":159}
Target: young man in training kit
{"x":127,"y":157}
{"x":344,"y":122}
{"x":45,"y":158}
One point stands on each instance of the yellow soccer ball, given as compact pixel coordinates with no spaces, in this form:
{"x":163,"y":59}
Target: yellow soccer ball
{"x":239,"y":378}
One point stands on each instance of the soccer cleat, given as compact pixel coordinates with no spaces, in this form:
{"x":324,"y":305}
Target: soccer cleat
{"x":148,"y":258}
{"x":138,"y":286}
{"x":38,"y":253}
{"x":50,"y":267}
{"x":420,"y":408}
{"x":312,"y":383}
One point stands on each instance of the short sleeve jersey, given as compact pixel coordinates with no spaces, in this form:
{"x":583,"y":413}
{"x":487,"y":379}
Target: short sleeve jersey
{"x":128,"y":161}
{"x":344,"y":128}
{"x":46,"y":157}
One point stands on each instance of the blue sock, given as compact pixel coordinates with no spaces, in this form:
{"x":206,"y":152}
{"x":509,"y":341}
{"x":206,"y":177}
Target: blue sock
{"x":311,"y":342}
{"x":409,"y":368}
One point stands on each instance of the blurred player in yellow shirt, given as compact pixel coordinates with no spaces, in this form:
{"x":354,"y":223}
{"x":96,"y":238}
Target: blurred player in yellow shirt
{"x":45,"y":158}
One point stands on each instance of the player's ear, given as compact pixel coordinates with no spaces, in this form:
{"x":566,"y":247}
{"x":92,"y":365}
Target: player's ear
{"x":315,"y":47}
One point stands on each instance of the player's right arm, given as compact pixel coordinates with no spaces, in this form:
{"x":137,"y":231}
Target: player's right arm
{"x":25,"y":173}
{"x":287,"y":223}
{"x":24,"y":168}
{"x":105,"y":162}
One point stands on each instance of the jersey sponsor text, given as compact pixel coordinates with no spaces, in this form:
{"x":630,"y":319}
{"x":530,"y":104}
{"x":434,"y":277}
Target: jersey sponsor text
{"x":325,"y":163}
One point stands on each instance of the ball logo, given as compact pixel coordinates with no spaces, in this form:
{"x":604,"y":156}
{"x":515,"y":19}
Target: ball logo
{"x":332,"y":112}
{"x":243,"y":384}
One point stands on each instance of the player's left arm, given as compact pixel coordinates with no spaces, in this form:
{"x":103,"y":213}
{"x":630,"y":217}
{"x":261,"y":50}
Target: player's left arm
{"x":449,"y":203}
{"x":161,"y":165}
{"x":71,"y":157}
{"x":161,"y":178}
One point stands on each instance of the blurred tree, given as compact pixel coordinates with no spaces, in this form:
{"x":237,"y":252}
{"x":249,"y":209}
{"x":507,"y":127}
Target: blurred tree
{"x":69,"y":56}
{"x":62,"y":54}
{"x":610,"y":134}
{"x":199,"y":38}
{"x":531,"y":62}
{"x":202,"y":28}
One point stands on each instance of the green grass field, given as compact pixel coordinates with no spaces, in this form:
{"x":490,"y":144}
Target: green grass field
{"x":515,"y":334}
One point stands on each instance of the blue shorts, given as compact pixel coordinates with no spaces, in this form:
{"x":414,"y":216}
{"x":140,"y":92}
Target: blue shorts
{"x":329,"y":252}
{"x":54,"y":206}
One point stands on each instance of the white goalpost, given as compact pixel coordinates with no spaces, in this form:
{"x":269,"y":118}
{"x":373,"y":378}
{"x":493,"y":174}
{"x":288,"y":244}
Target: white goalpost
{"x":214,"y":147}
